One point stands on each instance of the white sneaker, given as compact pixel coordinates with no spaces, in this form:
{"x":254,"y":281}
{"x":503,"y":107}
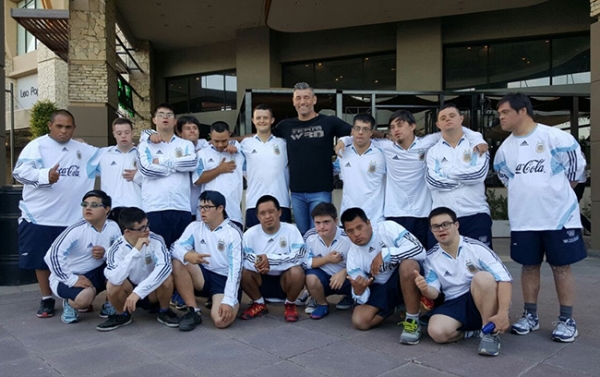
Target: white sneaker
{"x":565,"y":331}
{"x":526,"y":323}
{"x":301,"y":300}
{"x":311,"y":305}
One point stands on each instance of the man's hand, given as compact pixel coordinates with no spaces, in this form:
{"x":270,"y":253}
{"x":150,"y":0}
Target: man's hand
{"x":196,"y":258}
{"x":53,"y":174}
{"x":141,"y":242}
{"x":98,"y":252}
{"x":226,"y":166}
{"x":481,"y":148}
{"x":226,"y":312}
{"x":376,"y":264}
{"x":360,"y":284}
{"x":420,"y":282}
{"x":129,"y":174}
{"x":339,"y":148}
{"x":130,"y":303}
{"x":83,"y":282}
{"x":155,"y":139}
{"x":337,"y":280}
{"x":231,"y":149}
{"x":501,"y":321}
{"x":262,"y":264}
{"x":334,"y":257}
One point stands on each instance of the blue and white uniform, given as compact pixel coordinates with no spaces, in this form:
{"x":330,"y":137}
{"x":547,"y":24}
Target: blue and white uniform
{"x":284,"y":249}
{"x":224,"y":244}
{"x":71,"y":253}
{"x":110,"y":166}
{"x":395,"y":244}
{"x":196,"y":190}
{"x":146,"y":269}
{"x":318,"y":249}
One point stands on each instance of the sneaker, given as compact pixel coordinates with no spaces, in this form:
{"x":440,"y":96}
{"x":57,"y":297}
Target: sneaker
{"x":302,"y":299}
{"x":290,"y":313}
{"x":107,"y":310}
{"x":526,"y":323}
{"x":46,"y":309}
{"x":426,"y":304}
{"x":114,"y":321}
{"x":565,"y":331}
{"x":190,"y":320}
{"x":87,"y":310}
{"x":489,"y":345}
{"x":473,"y":334}
{"x":69,"y":315}
{"x":177,"y":302}
{"x":320,"y":312}
{"x":411,"y":332}
{"x":347,"y":302}
{"x":311,"y":305}
{"x":168,"y":318}
{"x":254,"y":310}
{"x":208,"y":304}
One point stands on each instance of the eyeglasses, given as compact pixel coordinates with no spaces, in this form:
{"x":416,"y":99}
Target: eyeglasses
{"x":165,"y":115}
{"x":358,"y":129}
{"x":206,"y":208}
{"x":443,"y":226}
{"x":140,"y":229}
{"x":92,"y":205}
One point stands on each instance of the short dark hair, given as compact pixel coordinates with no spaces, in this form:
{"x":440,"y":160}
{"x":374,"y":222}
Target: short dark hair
{"x":403,"y":115}
{"x":185,"y":119}
{"x":164,"y":105}
{"x":442,"y":211}
{"x":122,"y":121}
{"x":129,"y":216}
{"x":263,"y":106}
{"x":450,"y":105}
{"x":352,"y":213}
{"x":324,"y":209}
{"x":266,"y":199}
{"x":104,"y":198}
{"x":517,"y":101}
{"x":365,"y":118}
{"x":303,"y":86}
{"x":61,"y":112}
{"x":219,"y":126}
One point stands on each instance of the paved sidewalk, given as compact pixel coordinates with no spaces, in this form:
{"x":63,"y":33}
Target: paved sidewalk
{"x":269,"y":346}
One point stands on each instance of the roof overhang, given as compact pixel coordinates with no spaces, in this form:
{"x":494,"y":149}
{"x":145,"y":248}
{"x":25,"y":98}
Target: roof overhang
{"x":49,"y":26}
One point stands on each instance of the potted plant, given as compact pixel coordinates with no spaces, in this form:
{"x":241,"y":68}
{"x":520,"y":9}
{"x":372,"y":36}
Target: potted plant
{"x":499,"y":212}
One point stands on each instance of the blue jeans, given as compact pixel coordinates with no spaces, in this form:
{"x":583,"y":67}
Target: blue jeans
{"x":302,"y":205}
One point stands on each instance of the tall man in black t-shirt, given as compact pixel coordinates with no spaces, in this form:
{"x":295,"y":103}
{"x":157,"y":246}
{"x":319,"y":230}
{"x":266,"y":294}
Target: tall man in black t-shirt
{"x":309,"y":140}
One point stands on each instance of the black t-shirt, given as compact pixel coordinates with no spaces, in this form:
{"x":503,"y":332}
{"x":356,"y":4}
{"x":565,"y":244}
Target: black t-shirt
{"x":309,"y":149}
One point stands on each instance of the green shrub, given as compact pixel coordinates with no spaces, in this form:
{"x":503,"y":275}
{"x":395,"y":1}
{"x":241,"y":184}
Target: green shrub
{"x":498,"y":205}
{"x":40,"y":116}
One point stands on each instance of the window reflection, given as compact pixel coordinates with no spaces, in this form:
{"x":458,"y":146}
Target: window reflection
{"x":198,"y":93}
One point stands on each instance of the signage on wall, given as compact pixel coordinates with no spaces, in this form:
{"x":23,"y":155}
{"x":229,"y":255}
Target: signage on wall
{"x":26,"y":93}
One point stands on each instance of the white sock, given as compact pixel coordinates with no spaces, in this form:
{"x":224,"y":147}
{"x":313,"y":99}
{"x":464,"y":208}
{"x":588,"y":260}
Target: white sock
{"x":289,"y":302}
{"x":412,"y":316}
{"x":46,"y":297}
{"x":197,"y":310}
{"x":260,"y":301}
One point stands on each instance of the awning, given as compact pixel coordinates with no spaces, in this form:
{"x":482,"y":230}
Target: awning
{"x":49,"y":26}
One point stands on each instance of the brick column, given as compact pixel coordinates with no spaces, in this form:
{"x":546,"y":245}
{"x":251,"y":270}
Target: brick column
{"x":53,"y":77}
{"x":595,"y":122}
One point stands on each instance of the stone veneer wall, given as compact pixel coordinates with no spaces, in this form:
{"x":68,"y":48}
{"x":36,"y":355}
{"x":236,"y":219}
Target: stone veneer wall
{"x":53,"y":77}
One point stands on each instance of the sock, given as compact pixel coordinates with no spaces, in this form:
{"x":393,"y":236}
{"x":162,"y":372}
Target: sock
{"x":531,"y":308}
{"x":260,"y":301}
{"x":566,"y":311}
{"x":46,"y":297}
{"x":414,"y":317}
{"x":197,"y":310}
{"x":162,"y":310}
{"x":289,"y":302}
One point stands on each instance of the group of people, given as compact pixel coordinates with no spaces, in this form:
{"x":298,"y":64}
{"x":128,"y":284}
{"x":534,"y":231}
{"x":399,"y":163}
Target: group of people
{"x":414,"y":226}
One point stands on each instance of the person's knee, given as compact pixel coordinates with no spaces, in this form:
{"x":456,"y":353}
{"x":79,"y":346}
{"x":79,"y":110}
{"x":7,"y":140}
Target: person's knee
{"x":438,"y":333}
{"x":296,"y":273}
{"x":483,"y":279}
{"x":178,"y":267}
{"x":360,"y":323}
{"x":84,"y":299}
{"x":168,"y":283}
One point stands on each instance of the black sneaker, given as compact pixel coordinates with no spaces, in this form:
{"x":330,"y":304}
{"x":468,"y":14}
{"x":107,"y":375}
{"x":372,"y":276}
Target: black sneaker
{"x":114,"y":321}
{"x":46,"y":309}
{"x":190,"y":320}
{"x":168,"y":318}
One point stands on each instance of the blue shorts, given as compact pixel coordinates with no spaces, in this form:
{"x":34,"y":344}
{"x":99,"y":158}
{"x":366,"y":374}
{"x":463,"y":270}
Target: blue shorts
{"x":169,"y":224}
{"x":145,"y":303}
{"x":251,"y":219}
{"x":271,"y":287}
{"x":96,"y":276}
{"x":324,"y":278}
{"x":34,"y":242}
{"x":386,"y":296}
{"x":462,"y":309}
{"x":419,"y":227}
{"x":477,"y":227}
{"x":214,"y":284}
{"x":562,"y":247}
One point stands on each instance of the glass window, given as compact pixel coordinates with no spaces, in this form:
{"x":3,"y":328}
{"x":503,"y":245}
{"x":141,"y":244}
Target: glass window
{"x":198,"y":93}
{"x":519,"y":64}
{"x":380,"y":72}
{"x":339,"y":74}
{"x":571,"y":60}
{"x":178,"y":94}
{"x":26,"y":42}
{"x":298,"y":73}
{"x":466,"y":67}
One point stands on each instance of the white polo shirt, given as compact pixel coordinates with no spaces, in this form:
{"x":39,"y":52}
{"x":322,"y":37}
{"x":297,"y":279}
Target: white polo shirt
{"x":318,"y":249}
{"x":110,"y":167}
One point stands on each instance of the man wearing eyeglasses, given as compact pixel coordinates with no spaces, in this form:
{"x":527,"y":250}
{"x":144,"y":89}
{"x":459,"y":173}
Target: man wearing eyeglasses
{"x":477,"y":286}
{"x":207,"y":262}
{"x":362,"y":168}
{"x":77,"y":257}
{"x":138,"y":270}
{"x":54,"y":174}
{"x":165,"y":167}
{"x":380,"y":268}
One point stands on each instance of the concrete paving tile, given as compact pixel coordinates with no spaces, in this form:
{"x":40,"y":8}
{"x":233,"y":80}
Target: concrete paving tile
{"x":223,"y":358}
{"x":287,"y":341}
{"x":338,"y":323}
{"x":282,"y":368}
{"x":27,"y":297}
{"x":536,"y":346}
{"x":413,"y":369}
{"x":461,"y":359}
{"x":386,"y":340}
{"x":580,"y":356}
{"x":240,"y":328}
{"x":164,"y":341}
{"x":9,"y":290}
{"x":31,"y":366}
{"x":151,"y":370}
{"x":12,"y":350}
{"x":543,"y":370}
{"x":98,"y":360}
{"x":346,"y":359}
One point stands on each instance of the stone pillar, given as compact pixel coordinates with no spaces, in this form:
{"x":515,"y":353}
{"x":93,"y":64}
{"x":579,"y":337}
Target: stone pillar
{"x":142,"y":83}
{"x":92,"y":69}
{"x":595,"y":122}
{"x":53,"y":77}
